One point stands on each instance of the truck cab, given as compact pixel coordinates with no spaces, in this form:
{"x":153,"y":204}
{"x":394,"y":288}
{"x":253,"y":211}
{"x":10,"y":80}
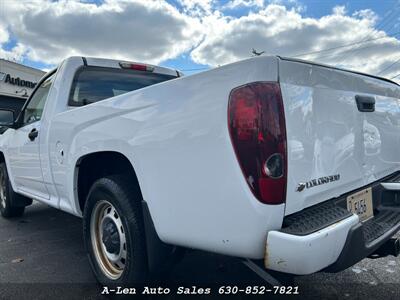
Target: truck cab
{"x":75,"y":83}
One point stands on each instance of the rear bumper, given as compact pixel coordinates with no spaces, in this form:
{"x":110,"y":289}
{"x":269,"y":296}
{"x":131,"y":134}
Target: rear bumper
{"x":357,"y":245}
{"x":307,"y":254}
{"x":327,"y":237}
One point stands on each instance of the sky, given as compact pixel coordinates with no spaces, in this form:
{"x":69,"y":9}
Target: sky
{"x":195,"y":35}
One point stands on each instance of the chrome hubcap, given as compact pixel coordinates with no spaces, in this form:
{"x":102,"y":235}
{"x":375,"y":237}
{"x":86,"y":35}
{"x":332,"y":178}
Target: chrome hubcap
{"x":108,"y":239}
{"x":3,"y":195}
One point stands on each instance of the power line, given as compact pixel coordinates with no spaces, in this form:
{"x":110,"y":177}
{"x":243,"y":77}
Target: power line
{"x":395,"y":76}
{"x":344,"y":46}
{"x":364,"y":40}
{"x":382,"y":24}
{"x":197,"y":69}
{"x":359,"y":48}
{"x":351,"y":50}
{"x":329,"y":49}
{"x":388,"y":67}
{"x":388,"y":18}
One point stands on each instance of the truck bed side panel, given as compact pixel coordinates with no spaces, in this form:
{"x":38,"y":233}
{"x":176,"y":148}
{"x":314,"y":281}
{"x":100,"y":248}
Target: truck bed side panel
{"x":176,"y":136}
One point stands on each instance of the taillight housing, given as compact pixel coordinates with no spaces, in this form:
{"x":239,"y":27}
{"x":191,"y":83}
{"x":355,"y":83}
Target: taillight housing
{"x":137,"y":67}
{"x":258,"y":133}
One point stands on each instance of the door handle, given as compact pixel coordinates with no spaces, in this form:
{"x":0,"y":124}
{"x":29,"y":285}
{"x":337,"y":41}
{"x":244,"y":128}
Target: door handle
{"x":33,"y":134}
{"x":365,"y":103}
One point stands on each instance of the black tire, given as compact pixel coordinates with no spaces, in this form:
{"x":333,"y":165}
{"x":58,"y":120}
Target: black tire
{"x":124,"y":197}
{"x":11,"y":204}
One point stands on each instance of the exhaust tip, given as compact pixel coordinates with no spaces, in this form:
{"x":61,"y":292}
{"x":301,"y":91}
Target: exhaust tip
{"x":391,"y":247}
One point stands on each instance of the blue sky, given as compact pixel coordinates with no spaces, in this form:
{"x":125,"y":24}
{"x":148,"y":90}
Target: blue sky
{"x":199,"y":34}
{"x":313,"y":8}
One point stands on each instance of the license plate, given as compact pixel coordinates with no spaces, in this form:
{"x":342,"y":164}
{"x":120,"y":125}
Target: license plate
{"x":360,"y":203}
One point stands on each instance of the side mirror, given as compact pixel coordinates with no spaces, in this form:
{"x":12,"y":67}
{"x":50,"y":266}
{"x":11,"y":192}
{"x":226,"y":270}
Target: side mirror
{"x":6,"y":117}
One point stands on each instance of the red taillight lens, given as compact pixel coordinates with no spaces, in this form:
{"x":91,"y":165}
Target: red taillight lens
{"x":258,"y":133}
{"x":137,"y":67}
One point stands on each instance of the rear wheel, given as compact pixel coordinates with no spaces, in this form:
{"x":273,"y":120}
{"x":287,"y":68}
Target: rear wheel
{"x":11,"y":203}
{"x":114,"y":232}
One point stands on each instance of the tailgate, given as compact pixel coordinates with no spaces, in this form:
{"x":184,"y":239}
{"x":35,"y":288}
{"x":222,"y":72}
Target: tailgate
{"x":333,"y":147}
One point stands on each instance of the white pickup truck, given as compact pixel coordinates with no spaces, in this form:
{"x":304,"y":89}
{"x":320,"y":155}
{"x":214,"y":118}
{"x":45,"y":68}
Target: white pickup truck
{"x":271,"y":159}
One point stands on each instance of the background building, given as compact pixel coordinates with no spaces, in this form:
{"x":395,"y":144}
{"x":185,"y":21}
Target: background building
{"x":16,"y":84}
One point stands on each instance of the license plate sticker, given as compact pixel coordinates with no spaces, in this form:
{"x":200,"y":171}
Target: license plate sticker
{"x":360,"y":204}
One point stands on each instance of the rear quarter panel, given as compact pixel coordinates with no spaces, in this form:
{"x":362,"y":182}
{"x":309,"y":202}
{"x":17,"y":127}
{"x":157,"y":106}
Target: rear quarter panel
{"x":176,"y":136}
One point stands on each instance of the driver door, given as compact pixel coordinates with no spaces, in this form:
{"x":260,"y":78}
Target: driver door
{"x":24,"y":152}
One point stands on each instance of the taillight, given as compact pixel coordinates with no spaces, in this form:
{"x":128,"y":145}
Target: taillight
{"x":137,"y":67}
{"x":258,"y":133}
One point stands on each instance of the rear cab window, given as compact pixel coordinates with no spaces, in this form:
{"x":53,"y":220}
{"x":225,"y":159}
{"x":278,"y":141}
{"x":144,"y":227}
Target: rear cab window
{"x":93,"y":84}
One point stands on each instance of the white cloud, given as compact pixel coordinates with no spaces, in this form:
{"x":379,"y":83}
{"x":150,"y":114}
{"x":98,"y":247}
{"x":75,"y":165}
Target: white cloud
{"x":198,"y":8}
{"x":4,"y":35}
{"x":339,"y":10}
{"x":246,"y":3}
{"x":279,"y":30}
{"x":14,"y":54}
{"x":150,"y":31}
{"x":154,"y":31}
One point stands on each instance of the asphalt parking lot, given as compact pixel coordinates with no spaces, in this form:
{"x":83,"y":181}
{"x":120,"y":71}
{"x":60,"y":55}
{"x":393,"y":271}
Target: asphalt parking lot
{"x":42,"y":257}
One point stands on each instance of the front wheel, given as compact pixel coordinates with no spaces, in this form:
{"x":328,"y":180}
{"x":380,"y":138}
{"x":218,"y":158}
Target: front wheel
{"x":114,"y":232}
{"x":11,"y":203}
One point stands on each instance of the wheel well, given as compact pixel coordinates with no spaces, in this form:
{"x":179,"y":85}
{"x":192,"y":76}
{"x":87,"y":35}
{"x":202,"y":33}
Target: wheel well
{"x":98,"y":165}
{"x":2,"y":158}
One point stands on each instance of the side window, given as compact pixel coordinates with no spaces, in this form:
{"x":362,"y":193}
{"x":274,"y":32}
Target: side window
{"x":34,"y":110}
